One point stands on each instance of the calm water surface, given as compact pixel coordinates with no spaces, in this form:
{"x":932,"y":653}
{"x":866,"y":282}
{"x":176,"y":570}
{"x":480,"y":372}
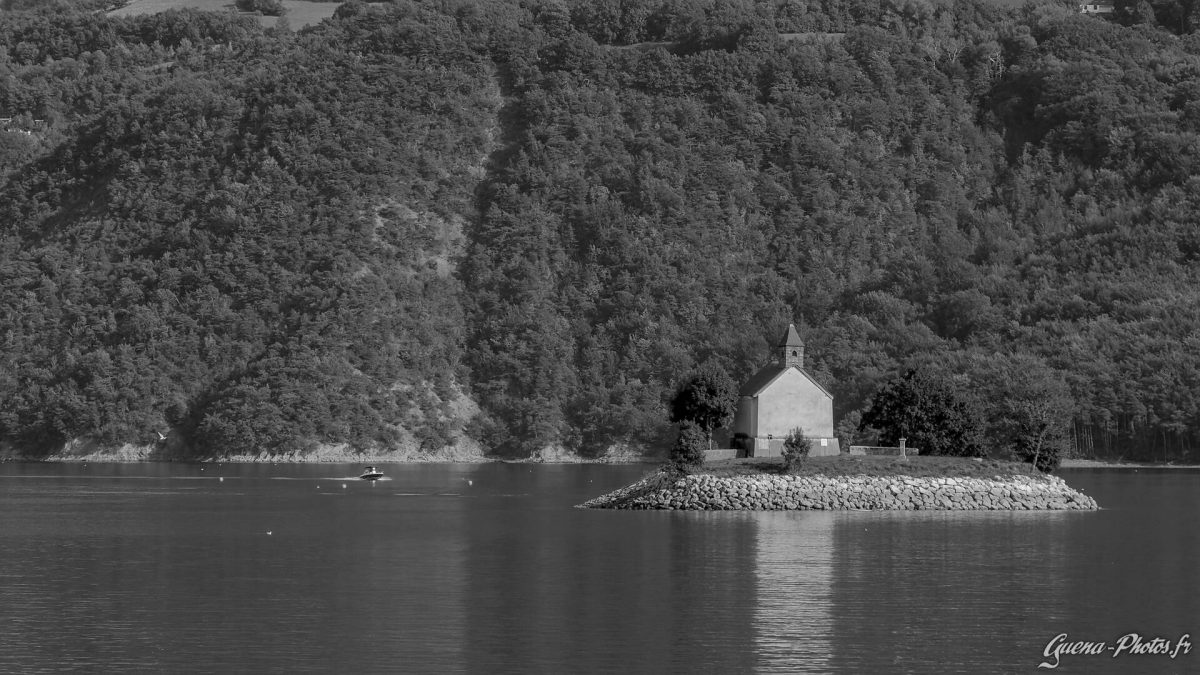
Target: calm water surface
{"x":489,"y":569}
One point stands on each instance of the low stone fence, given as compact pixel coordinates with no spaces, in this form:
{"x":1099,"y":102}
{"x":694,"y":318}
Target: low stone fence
{"x":774,"y":492}
{"x":883,"y":450}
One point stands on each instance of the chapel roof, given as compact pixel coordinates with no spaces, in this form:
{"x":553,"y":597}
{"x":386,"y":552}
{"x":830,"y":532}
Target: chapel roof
{"x":765,"y":376}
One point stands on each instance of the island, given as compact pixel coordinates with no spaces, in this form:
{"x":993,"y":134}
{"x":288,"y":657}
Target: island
{"x":848,"y":482}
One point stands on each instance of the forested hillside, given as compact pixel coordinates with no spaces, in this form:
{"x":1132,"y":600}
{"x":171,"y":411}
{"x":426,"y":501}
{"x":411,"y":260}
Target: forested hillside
{"x":237,"y":237}
{"x":257,"y":239}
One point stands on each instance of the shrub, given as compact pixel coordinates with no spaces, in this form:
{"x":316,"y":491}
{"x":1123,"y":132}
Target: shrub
{"x":795,"y":448}
{"x":688,"y":451}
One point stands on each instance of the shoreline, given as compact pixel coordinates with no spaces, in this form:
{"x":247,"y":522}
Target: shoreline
{"x":469,"y":453}
{"x":365,"y":459}
{"x":1112,"y":464}
{"x":465,"y":453}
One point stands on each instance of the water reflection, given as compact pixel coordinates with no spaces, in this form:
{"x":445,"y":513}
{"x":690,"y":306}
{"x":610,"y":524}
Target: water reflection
{"x":794,"y":576}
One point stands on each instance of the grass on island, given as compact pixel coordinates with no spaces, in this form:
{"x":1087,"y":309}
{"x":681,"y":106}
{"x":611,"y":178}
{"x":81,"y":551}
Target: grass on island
{"x":861,"y":465}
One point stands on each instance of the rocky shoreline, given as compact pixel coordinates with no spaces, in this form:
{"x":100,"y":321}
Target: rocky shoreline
{"x":765,"y":492}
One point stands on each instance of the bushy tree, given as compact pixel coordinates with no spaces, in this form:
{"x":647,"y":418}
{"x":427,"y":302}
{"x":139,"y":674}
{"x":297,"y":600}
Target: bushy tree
{"x":1027,"y":406}
{"x":707,"y":399}
{"x":1032,"y":414}
{"x":928,"y":411}
{"x":796,"y":448}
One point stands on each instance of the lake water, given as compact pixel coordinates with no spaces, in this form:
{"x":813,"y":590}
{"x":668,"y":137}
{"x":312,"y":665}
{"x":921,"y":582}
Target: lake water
{"x":488,"y":569}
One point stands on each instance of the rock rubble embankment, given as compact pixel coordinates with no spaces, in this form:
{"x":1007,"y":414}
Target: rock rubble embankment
{"x":766,"y":492}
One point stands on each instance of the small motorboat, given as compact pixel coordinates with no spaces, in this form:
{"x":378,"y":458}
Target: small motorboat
{"x":371,"y":473}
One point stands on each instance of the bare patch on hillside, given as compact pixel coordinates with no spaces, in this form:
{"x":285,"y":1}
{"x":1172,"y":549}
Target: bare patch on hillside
{"x":299,"y":13}
{"x":428,"y":239}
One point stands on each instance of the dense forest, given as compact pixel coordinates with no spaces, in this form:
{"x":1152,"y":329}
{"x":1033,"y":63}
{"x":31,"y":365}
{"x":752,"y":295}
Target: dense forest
{"x":262,"y":239}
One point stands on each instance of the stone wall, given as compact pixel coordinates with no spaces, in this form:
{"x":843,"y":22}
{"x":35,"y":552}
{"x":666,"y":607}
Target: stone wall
{"x":883,"y":451}
{"x":774,"y":492}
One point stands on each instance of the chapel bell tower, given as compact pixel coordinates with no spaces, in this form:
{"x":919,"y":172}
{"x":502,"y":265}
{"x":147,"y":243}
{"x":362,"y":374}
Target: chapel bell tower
{"x":791,"y":348}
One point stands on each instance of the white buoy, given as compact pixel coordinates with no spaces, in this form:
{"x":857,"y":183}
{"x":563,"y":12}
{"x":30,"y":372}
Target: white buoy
{"x":221,"y":479}
{"x":268,"y":533}
{"x":343,"y":486}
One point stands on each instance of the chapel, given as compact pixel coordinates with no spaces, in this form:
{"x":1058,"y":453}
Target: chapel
{"x":782,"y":397}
